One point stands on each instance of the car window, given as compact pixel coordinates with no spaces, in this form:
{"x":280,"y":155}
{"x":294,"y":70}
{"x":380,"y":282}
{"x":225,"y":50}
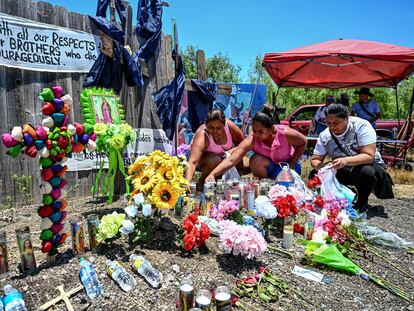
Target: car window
{"x":307,"y":113}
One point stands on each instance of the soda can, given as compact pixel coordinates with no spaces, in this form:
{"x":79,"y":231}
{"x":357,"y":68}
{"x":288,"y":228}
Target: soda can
{"x":186,"y":295}
{"x":4,"y":260}
{"x":250,"y":202}
{"x":78,"y":238}
{"x":24,"y":241}
{"x":93,"y":224}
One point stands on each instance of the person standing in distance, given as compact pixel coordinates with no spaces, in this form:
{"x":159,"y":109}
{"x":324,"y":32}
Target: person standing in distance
{"x":366,"y":108}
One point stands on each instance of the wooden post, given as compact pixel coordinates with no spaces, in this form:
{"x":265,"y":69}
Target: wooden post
{"x":201,"y":66}
{"x":176,"y":73}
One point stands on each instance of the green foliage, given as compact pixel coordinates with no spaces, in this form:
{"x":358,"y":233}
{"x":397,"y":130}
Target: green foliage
{"x":22,"y":185}
{"x":218,"y":67}
{"x":291,"y":98}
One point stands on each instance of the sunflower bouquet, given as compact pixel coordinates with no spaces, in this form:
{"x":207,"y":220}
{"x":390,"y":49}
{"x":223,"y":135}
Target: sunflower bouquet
{"x":160,"y":178}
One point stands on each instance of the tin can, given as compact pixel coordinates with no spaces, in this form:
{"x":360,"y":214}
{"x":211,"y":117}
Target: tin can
{"x":93,"y":225}
{"x":78,"y":237}
{"x":4,"y":260}
{"x":250,"y":202}
{"x":223,"y":298}
{"x":24,"y":241}
{"x":186,"y":295}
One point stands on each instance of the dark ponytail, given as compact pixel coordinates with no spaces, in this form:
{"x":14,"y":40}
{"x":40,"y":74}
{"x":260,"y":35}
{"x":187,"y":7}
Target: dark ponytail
{"x":266,"y":116}
{"x":338,"y":110}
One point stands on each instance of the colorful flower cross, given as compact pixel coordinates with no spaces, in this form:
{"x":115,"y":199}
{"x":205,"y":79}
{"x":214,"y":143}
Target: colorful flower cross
{"x":54,"y":141}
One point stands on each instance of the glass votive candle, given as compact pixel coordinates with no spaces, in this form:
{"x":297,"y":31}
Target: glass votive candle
{"x":203,"y":299}
{"x":186,"y":294}
{"x":223,"y":298}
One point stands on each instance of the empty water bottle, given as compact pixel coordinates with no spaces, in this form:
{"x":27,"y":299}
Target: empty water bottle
{"x":120,"y":275}
{"x":89,"y":279}
{"x":144,"y":267}
{"x":13,"y":300}
{"x":285,"y":177}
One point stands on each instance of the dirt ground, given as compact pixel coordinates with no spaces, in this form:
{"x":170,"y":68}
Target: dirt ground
{"x":209,"y":269}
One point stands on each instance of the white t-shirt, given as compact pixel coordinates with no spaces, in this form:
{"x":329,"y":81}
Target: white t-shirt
{"x":359,"y":133}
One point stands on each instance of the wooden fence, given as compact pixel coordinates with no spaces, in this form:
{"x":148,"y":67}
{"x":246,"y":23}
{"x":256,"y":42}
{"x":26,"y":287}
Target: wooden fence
{"x":19,"y":88}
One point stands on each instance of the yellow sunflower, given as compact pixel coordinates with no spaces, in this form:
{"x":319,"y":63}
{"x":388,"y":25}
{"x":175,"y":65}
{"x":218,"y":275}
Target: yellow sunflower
{"x":139,"y":164}
{"x":164,"y":196}
{"x":145,"y":181}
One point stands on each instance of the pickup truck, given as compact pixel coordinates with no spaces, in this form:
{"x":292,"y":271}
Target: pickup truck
{"x":301,"y":120}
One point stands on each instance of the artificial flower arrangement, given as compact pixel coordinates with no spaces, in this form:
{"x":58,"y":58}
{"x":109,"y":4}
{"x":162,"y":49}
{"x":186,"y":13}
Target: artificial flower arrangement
{"x":241,"y":240}
{"x":226,"y":210}
{"x":159,"y":177}
{"x":195,"y":233}
{"x":109,"y":227}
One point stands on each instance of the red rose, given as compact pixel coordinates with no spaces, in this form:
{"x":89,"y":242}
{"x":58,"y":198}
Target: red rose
{"x":298,"y":228}
{"x":250,"y":280}
{"x":189,"y":242}
{"x":188,"y":225}
{"x":234,"y":299}
{"x":263,"y":269}
{"x":204,"y":232}
{"x":319,"y":202}
{"x":334,"y":212}
{"x":193,"y":217}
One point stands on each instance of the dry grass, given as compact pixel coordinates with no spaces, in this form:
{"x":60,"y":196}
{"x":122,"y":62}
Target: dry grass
{"x":401,"y":176}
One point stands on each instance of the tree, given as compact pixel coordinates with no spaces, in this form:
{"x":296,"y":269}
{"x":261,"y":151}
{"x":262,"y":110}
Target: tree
{"x":218,"y":67}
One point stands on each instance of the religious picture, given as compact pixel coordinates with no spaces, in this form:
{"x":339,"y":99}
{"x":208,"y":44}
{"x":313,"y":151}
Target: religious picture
{"x":105,"y":109}
{"x":4,"y":265}
{"x":26,"y":251}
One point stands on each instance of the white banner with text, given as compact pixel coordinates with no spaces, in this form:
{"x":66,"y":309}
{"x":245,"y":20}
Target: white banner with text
{"x":30,"y":45}
{"x":147,"y":141}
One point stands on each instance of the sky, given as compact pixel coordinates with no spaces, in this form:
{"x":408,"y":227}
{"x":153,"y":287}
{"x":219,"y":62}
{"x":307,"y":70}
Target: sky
{"x":243,"y":29}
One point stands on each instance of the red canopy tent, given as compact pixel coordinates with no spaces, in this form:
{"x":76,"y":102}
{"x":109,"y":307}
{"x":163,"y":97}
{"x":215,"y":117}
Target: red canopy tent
{"x":341,"y":64}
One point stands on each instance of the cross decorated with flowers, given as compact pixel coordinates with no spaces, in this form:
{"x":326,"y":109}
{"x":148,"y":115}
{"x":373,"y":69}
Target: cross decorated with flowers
{"x":54,"y":141}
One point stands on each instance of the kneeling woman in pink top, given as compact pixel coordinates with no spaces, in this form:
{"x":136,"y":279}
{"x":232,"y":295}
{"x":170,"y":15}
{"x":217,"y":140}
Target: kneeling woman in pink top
{"x":271,"y":143}
{"x":210,"y":144}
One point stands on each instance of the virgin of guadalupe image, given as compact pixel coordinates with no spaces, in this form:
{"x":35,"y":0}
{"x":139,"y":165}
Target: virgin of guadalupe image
{"x":106,"y":111}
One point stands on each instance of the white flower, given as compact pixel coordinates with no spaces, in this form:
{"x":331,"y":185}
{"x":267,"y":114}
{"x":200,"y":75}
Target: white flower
{"x":319,"y":235}
{"x":345,"y":221}
{"x":146,"y":210}
{"x":127,"y":227}
{"x":139,"y":199}
{"x":131,"y":210}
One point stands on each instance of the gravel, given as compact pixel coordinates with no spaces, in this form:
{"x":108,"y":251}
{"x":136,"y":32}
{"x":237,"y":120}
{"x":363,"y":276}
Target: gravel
{"x":210,"y":268}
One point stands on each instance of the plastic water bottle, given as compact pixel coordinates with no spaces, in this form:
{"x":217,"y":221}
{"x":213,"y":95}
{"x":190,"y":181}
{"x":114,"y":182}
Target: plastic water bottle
{"x":285,"y":177}
{"x":1,"y":303}
{"x":144,"y":267}
{"x":13,"y":300}
{"x":120,"y":275}
{"x":89,"y":279}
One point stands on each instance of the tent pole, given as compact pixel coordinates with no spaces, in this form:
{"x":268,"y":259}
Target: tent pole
{"x":247,"y":113}
{"x":410,"y":112}
{"x":398,"y":106}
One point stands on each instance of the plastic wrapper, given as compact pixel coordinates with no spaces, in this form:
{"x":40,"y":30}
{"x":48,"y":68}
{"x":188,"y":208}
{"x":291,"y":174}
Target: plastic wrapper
{"x":330,"y":256}
{"x":331,"y":189}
